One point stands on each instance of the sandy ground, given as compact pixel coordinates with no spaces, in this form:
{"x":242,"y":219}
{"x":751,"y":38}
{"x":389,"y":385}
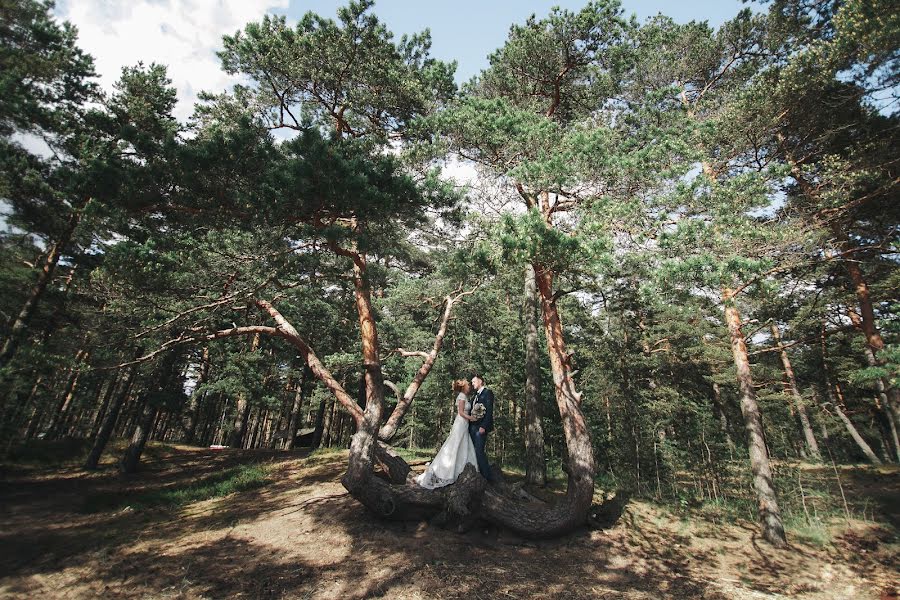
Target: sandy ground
{"x":303,"y":537}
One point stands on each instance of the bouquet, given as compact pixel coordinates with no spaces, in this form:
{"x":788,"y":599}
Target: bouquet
{"x":478,"y":411}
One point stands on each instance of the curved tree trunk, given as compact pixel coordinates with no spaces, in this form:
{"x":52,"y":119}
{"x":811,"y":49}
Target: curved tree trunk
{"x":389,"y":429}
{"x":363,"y":444}
{"x":580,"y":462}
{"x":836,"y":396}
{"x":769,"y":513}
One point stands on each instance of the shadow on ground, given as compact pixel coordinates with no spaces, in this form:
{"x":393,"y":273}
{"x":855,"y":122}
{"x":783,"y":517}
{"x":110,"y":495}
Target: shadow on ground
{"x":302,"y":536}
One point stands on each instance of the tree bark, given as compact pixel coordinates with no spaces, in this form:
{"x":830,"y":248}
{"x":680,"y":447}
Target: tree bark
{"x":242,"y":410}
{"x":196,"y":403}
{"x":319,"y":427}
{"x":867,"y":311}
{"x":362,"y":446}
{"x":294,"y":423}
{"x":132,"y":457}
{"x":852,"y":430}
{"x":114,"y":384}
{"x":535,"y":465}
{"x":573,"y":512}
{"x":724,"y":425}
{"x":56,"y":430}
{"x":109,"y":422}
{"x":833,"y":387}
{"x":389,"y":429}
{"x":883,"y":387}
{"x":23,"y":319}
{"x":769,"y":513}
{"x":811,"y":443}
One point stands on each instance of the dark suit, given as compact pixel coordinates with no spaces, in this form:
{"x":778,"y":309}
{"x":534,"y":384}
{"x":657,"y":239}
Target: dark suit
{"x":485,"y":397}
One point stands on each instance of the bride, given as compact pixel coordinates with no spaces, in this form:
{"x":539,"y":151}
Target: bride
{"x":458,"y":450}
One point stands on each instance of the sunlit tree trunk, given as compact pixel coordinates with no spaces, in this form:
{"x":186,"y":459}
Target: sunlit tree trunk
{"x":763,"y":482}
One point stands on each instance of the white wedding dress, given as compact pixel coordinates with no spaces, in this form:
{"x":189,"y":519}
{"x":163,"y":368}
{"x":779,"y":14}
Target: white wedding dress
{"x":453,"y":456}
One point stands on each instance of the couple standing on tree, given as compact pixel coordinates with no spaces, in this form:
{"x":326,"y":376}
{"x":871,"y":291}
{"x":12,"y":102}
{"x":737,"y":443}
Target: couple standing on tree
{"x":468,"y":436}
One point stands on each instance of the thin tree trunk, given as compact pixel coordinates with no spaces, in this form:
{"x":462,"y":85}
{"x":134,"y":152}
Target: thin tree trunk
{"x":326,"y":426}
{"x":832,"y":389}
{"x":724,"y":426}
{"x":866,"y":322}
{"x":769,"y":513}
{"x":867,"y":311}
{"x":16,"y":418}
{"x":114,"y":383}
{"x":319,"y":427}
{"x":837,"y":404}
{"x":389,"y":429}
{"x":23,"y":319}
{"x":882,"y":387}
{"x":195,"y":406}
{"x":56,"y":426}
{"x":798,"y":399}
{"x":109,"y":421}
{"x":242,"y":410}
{"x":294,"y":423}
{"x":535,"y":465}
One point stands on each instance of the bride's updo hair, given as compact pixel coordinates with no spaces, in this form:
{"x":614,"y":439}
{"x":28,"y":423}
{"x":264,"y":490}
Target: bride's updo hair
{"x":461,"y":385}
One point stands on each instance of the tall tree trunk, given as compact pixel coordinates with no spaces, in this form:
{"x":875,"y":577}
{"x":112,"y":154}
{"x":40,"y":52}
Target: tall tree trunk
{"x":769,"y":513}
{"x":15,"y":420}
{"x":573,"y":511}
{"x":865,"y":320}
{"x":724,"y":425}
{"x":319,"y":427}
{"x":798,"y":399}
{"x":109,"y":421}
{"x":56,"y":426}
{"x":97,"y":421}
{"x":294,"y":423}
{"x":133,"y":453}
{"x":535,"y":465}
{"x":195,"y":406}
{"x":48,"y":266}
{"x":867,"y":311}
{"x":242,"y":410}
{"x":362,"y":446}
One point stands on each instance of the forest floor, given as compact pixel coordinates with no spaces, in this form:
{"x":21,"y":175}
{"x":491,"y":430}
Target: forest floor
{"x":68,"y":534}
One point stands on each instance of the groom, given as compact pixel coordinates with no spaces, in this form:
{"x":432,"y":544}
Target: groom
{"x":479,"y":429}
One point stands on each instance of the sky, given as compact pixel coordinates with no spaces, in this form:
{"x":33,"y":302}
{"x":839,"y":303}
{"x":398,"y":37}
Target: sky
{"x":185,"y":34}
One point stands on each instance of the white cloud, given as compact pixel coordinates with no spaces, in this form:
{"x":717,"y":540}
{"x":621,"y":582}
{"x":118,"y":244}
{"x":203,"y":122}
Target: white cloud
{"x":181,"y":34}
{"x":461,"y":172}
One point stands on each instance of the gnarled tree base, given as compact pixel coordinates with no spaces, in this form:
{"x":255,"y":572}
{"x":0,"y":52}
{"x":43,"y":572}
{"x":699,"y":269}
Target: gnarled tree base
{"x":461,"y":504}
